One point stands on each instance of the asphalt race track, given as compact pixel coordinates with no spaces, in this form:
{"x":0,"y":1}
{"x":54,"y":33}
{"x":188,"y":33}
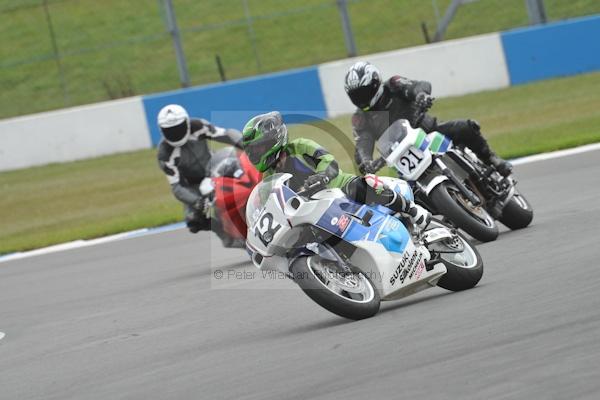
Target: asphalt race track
{"x":145,"y":318}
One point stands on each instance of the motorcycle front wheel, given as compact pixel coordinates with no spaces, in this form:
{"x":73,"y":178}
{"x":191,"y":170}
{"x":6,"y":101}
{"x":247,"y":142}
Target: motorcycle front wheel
{"x":517,"y":213}
{"x":474,"y":220}
{"x":348,"y":294}
{"x":465,"y":268}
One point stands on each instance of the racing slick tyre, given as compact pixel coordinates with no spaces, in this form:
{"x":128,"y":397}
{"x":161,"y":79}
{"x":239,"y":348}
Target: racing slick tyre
{"x":517,"y":213}
{"x":465,"y":268}
{"x":350,"y":295}
{"x":474,"y":220}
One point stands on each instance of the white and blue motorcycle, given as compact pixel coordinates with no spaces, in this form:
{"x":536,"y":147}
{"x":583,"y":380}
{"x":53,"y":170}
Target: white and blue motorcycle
{"x":348,"y":257}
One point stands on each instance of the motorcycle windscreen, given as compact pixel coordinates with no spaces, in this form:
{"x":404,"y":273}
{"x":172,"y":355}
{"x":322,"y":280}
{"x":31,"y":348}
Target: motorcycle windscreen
{"x":260,"y":195}
{"x":392,"y":136}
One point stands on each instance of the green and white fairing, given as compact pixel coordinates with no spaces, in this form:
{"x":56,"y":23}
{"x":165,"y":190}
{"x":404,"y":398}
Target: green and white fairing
{"x":410,"y":150}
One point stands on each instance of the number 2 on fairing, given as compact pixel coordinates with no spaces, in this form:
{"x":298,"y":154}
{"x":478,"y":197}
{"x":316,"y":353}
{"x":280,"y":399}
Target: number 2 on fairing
{"x":266,"y":228}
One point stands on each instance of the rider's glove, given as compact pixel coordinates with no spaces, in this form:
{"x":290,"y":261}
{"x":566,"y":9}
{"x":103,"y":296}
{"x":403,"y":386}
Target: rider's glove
{"x":316,"y":181}
{"x":367,"y":167}
{"x":203,"y":204}
{"x":424,"y":101}
{"x":419,"y":215}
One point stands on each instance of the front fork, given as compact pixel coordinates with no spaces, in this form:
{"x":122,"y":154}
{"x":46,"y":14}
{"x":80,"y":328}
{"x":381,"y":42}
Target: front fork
{"x":475,"y":200}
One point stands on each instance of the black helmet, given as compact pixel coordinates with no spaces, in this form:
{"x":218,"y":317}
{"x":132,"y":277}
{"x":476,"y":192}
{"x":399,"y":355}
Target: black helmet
{"x":363,"y":85}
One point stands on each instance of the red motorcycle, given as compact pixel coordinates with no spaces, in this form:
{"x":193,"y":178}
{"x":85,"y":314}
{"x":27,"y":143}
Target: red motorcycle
{"x":232,"y":179}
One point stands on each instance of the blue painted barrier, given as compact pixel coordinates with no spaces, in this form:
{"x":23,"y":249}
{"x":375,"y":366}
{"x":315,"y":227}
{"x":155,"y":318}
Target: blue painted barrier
{"x":232,"y":104}
{"x":553,"y":50}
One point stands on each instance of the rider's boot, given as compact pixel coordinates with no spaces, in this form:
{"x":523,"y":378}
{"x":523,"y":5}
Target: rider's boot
{"x":501,"y":165}
{"x":418,"y":215}
{"x":481,"y":148}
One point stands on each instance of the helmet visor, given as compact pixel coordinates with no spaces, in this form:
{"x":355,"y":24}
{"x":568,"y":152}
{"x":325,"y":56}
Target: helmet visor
{"x":362,"y":96}
{"x":257,"y":149}
{"x":175,"y":133}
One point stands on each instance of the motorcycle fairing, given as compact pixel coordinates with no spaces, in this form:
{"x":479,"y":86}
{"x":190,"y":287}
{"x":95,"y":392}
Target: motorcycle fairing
{"x":439,"y":143}
{"x":231,"y":194}
{"x":338,"y":218}
{"x":344,"y":218}
{"x":396,"y":275}
{"x":397,"y":271}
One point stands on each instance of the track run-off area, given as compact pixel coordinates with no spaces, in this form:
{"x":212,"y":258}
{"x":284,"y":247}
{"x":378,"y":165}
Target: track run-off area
{"x":175,"y":316}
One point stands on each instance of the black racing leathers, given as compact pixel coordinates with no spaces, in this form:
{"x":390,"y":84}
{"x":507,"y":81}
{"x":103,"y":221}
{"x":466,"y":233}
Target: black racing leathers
{"x":187,"y":165}
{"x":398,"y":102}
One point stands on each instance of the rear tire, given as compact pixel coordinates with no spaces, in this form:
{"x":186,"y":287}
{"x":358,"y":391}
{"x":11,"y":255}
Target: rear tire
{"x":448,"y":206}
{"x":305,"y":276}
{"x":517,"y":214}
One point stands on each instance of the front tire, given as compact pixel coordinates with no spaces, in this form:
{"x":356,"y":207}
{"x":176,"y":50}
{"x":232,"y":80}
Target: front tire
{"x":517,"y":214}
{"x":465,"y":269}
{"x":350,"y":296}
{"x":448,"y":200}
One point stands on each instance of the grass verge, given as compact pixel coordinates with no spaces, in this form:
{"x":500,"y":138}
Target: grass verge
{"x":114,"y":48}
{"x":79,"y":200}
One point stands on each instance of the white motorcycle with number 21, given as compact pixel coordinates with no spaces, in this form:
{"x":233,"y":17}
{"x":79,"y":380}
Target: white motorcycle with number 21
{"x":347,"y":256}
{"x":452,"y":181}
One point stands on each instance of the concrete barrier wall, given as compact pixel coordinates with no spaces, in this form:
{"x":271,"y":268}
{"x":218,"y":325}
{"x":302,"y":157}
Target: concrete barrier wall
{"x":453,"y":67}
{"x":73,"y":134}
{"x":232,"y":104}
{"x":554,"y":50}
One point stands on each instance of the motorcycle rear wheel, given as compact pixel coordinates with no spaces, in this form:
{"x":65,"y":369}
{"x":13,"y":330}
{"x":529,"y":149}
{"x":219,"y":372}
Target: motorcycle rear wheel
{"x":351,"y":295}
{"x":448,"y":200}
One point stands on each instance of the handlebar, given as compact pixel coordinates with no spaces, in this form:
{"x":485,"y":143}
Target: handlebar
{"x":421,"y":111}
{"x":312,"y":189}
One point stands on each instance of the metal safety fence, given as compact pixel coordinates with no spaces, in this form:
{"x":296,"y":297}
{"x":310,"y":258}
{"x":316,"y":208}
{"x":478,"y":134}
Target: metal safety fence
{"x":59,"y":53}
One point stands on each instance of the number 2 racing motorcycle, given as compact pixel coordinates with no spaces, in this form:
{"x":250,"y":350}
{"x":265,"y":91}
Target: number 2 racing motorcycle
{"x":348,"y":257}
{"x":232,"y":179}
{"x":452,"y":181}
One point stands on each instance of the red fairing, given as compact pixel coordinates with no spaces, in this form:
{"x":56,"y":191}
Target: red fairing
{"x":231,"y":195}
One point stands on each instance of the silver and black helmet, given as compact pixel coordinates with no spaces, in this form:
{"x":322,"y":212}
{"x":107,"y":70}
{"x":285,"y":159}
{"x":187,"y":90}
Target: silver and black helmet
{"x":363,"y":85}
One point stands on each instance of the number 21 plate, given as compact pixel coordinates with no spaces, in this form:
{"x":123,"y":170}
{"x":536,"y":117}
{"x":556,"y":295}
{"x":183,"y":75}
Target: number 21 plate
{"x":410,"y":160}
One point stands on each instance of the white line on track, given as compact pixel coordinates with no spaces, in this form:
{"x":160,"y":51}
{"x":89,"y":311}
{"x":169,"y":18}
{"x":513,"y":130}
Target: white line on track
{"x":143,"y":232}
{"x":556,"y":154}
{"x":85,"y":243}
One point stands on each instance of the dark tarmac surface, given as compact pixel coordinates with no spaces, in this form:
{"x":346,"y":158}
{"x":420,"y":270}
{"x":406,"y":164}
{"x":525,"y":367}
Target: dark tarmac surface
{"x":145,"y":318}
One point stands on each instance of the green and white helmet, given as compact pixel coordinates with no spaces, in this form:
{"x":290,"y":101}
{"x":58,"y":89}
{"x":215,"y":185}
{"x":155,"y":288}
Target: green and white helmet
{"x":264,"y":137}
